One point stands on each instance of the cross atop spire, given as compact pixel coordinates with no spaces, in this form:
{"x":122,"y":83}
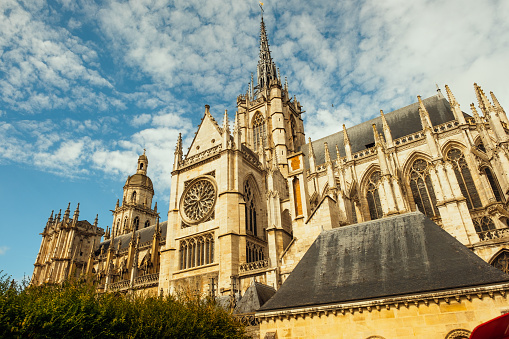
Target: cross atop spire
{"x":266,"y":69}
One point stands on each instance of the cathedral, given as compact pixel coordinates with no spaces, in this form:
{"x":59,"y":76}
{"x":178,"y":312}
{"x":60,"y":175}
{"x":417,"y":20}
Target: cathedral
{"x":249,"y":201}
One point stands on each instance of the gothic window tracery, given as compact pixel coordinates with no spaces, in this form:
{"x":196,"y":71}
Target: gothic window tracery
{"x":198,"y":201}
{"x":136,"y":223}
{"x":483,"y":226}
{"x":464,"y":177}
{"x":422,"y":188}
{"x":259,"y":132}
{"x":501,"y":261}
{"x":125,"y":226}
{"x":147,"y":223}
{"x":372,"y":196}
{"x":196,"y":251}
{"x":250,"y":209}
{"x":254,"y":252}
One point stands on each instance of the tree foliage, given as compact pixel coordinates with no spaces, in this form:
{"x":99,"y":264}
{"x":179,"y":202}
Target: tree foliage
{"x":75,"y":310}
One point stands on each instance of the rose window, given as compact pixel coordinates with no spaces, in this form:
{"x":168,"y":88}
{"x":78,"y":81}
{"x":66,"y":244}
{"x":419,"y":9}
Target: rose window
{"x":198,"y":201}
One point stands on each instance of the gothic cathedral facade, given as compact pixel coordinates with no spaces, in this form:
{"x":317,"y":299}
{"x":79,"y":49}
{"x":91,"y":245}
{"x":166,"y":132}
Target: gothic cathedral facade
{"x":247,"y":201}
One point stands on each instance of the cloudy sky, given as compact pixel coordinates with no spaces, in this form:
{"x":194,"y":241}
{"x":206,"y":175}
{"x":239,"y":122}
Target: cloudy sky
{"x":86,"y":85}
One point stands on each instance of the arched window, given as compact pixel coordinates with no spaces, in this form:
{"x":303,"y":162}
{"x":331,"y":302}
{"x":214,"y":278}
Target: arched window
{"x":372,"y":196}
{"x":250,"y":209}
{"x":501,"y":261}
{"x":495,"y":187}
{"x":136,"y":223}
{"x":254,"y":252}
{"x":125,"y":226}
{"x":133,"y":197}
{"x":196,"y":251}
{"x":422,"y":188}
{"x":117,"y":229}
{"x":147,"y":223}
{"x":464,"y":177}
{"x":458,"y":334}
{"x":259,"y":132}
{"x":484,"y":227}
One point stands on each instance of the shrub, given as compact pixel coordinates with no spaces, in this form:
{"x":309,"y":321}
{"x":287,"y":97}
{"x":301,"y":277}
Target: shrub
{"x":75,"y":310}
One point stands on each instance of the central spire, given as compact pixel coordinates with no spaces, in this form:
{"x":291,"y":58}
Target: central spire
{"x":266,"y":69}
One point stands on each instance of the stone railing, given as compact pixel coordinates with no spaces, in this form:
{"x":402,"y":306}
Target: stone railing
{"x":364,"y":153}
{"x":493,"y":234}
{"x":201,"y":156}
{"x":408,"y":138}
{"x":146,"y":279}
{"x":446,"y":126}
{"x":119,"y":285}
{"x":255,"y":265}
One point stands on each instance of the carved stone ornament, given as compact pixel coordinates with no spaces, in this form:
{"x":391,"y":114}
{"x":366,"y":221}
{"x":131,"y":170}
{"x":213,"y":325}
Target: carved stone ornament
{"x":198,"y":200}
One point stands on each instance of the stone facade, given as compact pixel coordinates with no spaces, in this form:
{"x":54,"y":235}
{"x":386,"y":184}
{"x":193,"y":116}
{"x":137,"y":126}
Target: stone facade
{"x":247,"y":203}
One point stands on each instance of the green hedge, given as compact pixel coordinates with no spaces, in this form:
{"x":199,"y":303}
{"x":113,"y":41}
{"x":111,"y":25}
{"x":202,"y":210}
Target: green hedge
{"x":74,"y":310}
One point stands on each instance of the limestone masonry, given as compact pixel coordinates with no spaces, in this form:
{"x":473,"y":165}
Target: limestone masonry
{"x":386,"y":229}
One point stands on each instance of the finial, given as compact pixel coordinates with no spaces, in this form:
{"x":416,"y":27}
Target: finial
{"x":155,"y":207}
{"x":375,"y":134}
{"x":76,"y":212}
{"x":327,"y":154}
{"x":226,"y":124}
{"x":51,"y":216}
{"x":452,"y":99}
{"x":118,"y":204}
{"x":345,"y":136}
{"x":96,"y":220}
{"x":67,"y":211}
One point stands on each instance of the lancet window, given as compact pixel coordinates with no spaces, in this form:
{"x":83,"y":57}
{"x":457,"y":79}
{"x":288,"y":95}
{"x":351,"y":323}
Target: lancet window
{"x":136,"y":223}
{"x":250,"y":209}
{"x":147,"y":223}
{"x":422,"y":188}
{"x":495,"y":187}
{"x":259,"y":132}
{"x":196,"y":251}
{"x":254,"y":252}
{"x":372,"y":196}
{"x":125,"y":230}
{"x":464,"y":177}
{"x":133,"y":197}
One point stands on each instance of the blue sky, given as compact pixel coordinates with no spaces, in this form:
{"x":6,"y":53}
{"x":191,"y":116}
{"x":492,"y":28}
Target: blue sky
{"x":86,"y":85}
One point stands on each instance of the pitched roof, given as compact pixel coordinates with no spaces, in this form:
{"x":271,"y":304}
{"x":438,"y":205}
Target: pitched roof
{"x":256,"y":295}
{"x":403,"y":121}
{"x":394,"y":256}
{"x":146,"y":234}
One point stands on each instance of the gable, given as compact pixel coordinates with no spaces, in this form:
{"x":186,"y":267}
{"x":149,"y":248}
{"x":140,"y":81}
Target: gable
{"x":207,"y":136}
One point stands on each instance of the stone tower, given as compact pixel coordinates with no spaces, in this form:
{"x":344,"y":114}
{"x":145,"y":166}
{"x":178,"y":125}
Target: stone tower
{"x":136,"y":210}
{"x":269,"y":118}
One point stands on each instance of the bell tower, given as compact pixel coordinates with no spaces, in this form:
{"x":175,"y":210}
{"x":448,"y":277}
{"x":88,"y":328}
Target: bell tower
{"x":269,"y":118}
{"x":136,"y":211}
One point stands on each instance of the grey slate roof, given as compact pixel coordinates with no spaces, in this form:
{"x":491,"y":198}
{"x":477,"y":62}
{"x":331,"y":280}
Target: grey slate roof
{"x":394,"y":256}
{"x":403,"y":121}
{"x":146,"y":234}
{"x":256,"y":295}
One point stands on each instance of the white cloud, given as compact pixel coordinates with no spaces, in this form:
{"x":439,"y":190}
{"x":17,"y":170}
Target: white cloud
{"x":3,"y":250}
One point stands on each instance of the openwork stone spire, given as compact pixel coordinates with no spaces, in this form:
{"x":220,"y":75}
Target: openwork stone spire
{"x":266,"y":69}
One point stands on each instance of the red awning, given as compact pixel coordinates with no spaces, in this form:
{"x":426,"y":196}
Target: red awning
{"x":497,"y":328}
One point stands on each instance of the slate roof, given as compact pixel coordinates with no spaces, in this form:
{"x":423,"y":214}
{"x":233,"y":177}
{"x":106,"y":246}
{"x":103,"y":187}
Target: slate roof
{"x":256,"y":295}
{"x":146,"y":234}
{"x":394,"y":256}
{"x":403,"y":121}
